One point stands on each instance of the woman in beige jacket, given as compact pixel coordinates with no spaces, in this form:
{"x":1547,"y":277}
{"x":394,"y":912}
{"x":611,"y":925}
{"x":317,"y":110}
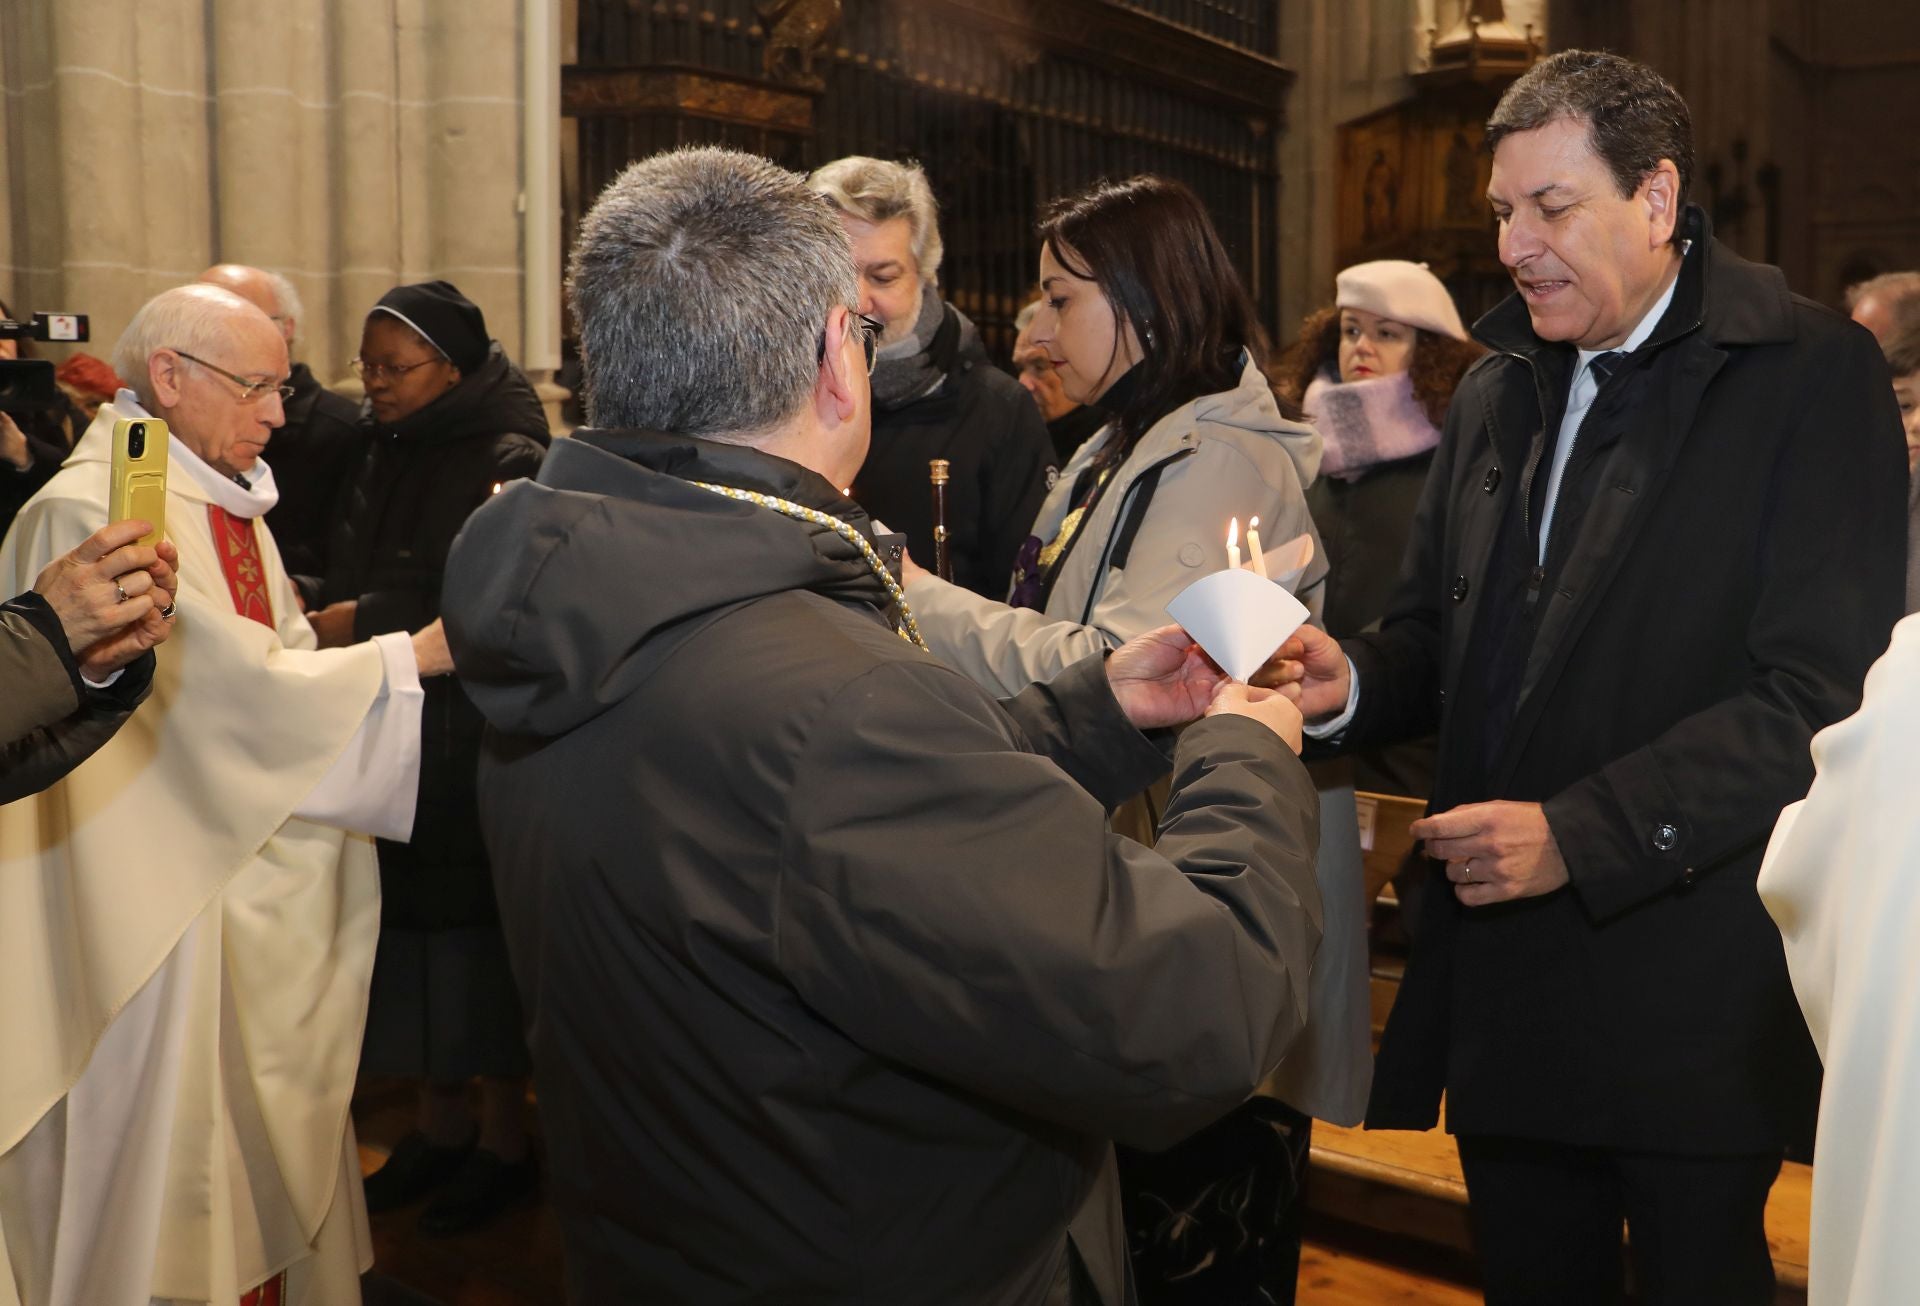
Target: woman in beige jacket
{"x":1144,"y":317}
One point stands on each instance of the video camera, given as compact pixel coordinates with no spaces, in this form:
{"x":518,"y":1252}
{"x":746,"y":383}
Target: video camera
{"x":27,"y":384}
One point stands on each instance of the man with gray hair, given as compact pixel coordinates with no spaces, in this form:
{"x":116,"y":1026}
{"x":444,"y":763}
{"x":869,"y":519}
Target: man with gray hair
{"x":188,"y":919}
{"x":935,"y":392}
{"x":1876,"y":302}
{"x":838,"y":988}
{"x":1662,"y":540}
{"x":316,"y":450}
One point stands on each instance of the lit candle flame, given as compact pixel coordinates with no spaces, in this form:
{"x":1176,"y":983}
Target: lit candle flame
{"x":1233,"y":530}
{"x":1256,"y":554}
{"x":1233,"y":544}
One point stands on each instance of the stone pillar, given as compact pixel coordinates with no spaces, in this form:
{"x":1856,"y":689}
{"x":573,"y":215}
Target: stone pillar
{"x":350,"y":144}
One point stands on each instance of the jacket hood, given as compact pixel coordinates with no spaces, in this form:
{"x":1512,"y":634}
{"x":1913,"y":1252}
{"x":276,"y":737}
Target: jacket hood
{"x":494,"y":399}
{"x":1250,"y":407}
{"x":565,"y":592}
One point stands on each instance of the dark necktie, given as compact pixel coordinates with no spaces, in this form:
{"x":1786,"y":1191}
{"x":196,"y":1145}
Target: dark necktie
{"x":1602,"y":365}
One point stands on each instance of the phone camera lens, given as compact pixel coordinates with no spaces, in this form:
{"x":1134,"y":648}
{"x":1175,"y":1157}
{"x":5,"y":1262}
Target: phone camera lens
{"x":137,"y":440}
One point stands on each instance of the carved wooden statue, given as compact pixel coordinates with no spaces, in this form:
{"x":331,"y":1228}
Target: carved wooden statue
{"x":797,"y":32}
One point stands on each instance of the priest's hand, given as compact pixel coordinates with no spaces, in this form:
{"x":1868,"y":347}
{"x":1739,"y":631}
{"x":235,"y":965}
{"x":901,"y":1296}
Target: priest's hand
{"x":1495,"y":852}
{"x":333,"y":624}
{"x":1162,"y":678}
{"x":430,"y":652}
{"x":1311,"y":669}
{"x":105,"y":589}
{"x":1269,"y":707}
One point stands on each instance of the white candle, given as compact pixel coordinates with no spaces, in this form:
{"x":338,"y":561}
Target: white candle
{"x":1255,"y":554}
{"x":1233,"y":544}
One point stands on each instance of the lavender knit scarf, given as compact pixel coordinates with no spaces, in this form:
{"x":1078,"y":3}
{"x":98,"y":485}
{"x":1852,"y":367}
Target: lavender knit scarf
{"x":1366,"y":423}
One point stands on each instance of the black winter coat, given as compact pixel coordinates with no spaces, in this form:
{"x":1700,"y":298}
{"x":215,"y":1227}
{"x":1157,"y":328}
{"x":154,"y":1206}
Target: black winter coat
{"x":420,"y":480}
{"x":1726,"y":562}
{"x":1364,"y":524}
{"x":314,"y":456}
{"x":837,"y":984}
{"x":51,"y":720}
{"x":981,"y":421}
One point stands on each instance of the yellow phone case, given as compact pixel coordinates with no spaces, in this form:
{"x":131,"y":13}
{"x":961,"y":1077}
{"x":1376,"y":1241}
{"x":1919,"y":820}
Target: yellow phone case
{"x":140,"y":474}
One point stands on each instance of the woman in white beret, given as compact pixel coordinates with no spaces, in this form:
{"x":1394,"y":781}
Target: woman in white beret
{"x":1375,"y":371}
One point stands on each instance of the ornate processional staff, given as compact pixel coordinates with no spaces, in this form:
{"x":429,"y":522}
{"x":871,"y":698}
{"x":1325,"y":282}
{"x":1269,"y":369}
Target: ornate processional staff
{"x":938,"y":473}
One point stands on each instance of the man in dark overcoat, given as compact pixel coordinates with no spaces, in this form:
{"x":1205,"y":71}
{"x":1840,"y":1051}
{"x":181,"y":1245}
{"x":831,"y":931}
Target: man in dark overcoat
{"x":1661,"y":543}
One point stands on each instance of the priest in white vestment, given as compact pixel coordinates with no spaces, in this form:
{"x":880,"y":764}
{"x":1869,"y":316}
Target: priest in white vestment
{"x":187,"y":922}
{"x":1842,"y":880}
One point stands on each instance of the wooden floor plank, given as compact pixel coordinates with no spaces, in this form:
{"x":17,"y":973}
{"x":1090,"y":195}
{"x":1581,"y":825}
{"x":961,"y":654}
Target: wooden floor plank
{"x":1330,"y":1277}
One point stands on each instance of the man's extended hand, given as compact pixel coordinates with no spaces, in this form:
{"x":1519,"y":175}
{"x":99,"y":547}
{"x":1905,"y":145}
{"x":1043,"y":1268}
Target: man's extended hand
{"x":431,"y":656}
{"x":333,"y":624}
{"x":1310,"y":669}
{"x":1495,"y":852}
{"x":1162,"y":678}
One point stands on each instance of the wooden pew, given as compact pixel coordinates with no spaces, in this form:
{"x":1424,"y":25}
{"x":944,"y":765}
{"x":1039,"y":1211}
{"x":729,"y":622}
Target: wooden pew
{"x":1384,"y":840}
{"x":1409,"y":1185}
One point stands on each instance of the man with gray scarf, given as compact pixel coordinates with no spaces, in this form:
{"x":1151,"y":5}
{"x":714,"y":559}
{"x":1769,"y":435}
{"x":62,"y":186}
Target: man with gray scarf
{"x":935,"y":392}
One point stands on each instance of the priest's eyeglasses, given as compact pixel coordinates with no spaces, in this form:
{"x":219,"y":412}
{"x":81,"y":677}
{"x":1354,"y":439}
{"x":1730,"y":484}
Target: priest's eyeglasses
{"x":870,"y":330}
{"x":250,"y":391}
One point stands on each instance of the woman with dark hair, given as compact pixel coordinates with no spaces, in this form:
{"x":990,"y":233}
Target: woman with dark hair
{"x":1145,"y":318}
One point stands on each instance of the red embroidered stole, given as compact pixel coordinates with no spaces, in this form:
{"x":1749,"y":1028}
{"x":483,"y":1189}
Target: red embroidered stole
{"x":274,"y":1291}
{"x":235,"y":540}
{"x":238,"y":545}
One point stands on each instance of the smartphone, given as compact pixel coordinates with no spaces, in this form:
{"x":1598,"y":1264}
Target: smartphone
{"x":140,"y":474}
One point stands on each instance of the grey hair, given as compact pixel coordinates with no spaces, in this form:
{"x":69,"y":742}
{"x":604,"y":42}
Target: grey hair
{"x":701,"y":281}
{"x":1902,"y":347}
{"x":875,"y":190}
{"x":1024,"y":318}
{"x":195,"y":318}
{"x":287,"y":298}
{"x":1894,"y":287}
{"x":1634,"y":116}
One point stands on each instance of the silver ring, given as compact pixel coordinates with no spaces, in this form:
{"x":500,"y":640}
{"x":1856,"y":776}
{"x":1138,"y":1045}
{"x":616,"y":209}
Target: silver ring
{"x":167,"y":612}
{"x":121,"y":592}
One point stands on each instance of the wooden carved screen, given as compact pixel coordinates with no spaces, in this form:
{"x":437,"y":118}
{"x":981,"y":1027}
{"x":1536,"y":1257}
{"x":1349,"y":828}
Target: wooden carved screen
{"x":1007,"y":104}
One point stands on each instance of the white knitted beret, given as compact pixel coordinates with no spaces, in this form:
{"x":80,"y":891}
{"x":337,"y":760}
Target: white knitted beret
{"x":1403,"y":291}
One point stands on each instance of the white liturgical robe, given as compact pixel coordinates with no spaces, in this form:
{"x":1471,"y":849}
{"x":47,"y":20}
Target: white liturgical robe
{"x":1842,"y":880}
{"x":187,"y":932}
